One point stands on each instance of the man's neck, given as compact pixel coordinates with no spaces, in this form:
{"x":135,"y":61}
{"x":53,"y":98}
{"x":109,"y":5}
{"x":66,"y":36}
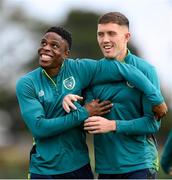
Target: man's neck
{"x":52,"y":72}
{"x":122,"y":55}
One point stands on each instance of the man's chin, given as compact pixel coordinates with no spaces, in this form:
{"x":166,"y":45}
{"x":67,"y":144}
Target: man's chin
{"x":109,"y":57}
{"x":44,"y":66}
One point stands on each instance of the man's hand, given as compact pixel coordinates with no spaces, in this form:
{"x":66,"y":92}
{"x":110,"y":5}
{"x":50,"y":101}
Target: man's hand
{"x":160,"y":110}
{"x":96,"y":108}
{"x":97,"y":124}
{"x":68,"y":102}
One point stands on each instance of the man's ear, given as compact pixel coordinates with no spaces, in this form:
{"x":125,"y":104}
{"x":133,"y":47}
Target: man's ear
{"x":127,"y":36}
{"x":66,"y":53}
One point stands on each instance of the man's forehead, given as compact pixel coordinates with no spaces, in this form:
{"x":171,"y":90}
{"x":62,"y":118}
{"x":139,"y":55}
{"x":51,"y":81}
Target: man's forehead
{"x":110,"y":27}
{"x":52,"y":36}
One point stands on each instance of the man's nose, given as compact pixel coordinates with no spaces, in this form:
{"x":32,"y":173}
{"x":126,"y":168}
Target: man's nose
{"x":106,"y":38}
{"x":47,"y":47}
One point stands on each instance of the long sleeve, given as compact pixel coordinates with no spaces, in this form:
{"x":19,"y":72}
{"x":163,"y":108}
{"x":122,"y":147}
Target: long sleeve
{"x":145,"y":124}
{"x":166,"y":158}
{"x":34,"y":115}
{"x":107,"y":71}
{"x":111,"y":70}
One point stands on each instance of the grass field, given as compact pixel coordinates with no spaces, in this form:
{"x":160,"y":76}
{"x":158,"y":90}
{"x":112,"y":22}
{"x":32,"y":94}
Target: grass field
{"x":14,"y":160}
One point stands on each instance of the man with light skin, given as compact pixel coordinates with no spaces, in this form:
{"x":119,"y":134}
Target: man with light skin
{"x":124,"y":143}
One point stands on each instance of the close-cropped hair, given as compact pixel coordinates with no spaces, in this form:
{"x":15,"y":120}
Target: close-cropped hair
{"x":114,"y":17}
{"x":63,"y":33}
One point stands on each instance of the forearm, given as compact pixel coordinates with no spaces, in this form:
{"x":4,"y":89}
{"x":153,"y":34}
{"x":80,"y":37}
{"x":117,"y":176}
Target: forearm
{"x":141,"y":82}
{"x":140,"y":126}
{"x":42,"y":127}
{"x":34,"y":115}
{"x":115,"y":71}
{"x":145,"y":124}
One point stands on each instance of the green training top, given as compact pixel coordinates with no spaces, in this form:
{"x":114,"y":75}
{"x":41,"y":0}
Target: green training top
{"x":60,"y":145}
{"x":166,"y":158}
{"x":130,"y":147}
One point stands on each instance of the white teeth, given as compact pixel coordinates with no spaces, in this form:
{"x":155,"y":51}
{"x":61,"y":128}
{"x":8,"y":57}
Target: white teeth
{"x":107,"y":47}
{"x":45,"y":56}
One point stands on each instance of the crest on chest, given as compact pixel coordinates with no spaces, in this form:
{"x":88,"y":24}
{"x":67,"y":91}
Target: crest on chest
{"x":129,"y":85}
{"x":69,"y":83}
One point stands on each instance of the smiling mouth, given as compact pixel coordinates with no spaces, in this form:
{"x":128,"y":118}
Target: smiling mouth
{"x":107,"y":48}
{"x":45,"y":57}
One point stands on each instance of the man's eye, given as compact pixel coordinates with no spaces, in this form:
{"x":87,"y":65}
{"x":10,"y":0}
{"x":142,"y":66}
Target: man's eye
{"x":55,"y":45}
{"x":112,"y":33}
{"x":43,"y":43}
{"x":100,"y":34}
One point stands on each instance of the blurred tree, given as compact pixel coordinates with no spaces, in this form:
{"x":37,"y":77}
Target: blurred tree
{"x":83,"y":28}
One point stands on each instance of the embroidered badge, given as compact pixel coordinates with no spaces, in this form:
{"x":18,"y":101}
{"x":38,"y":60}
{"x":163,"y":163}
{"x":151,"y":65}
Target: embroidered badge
{"x":41,"y":93}
{"x":69,"y":83}
{"x":129,"y":85}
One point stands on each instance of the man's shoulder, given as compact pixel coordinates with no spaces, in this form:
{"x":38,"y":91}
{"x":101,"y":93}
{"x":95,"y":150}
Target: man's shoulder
{"x":141,"y":63}
{"x":80,"y":60}
{"x":73,"y":60}
{"x":30,"y":75}
{"x":80,"y":63}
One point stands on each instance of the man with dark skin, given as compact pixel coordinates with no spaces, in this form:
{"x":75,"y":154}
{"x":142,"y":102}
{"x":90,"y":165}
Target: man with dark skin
{"x":59,"y":150}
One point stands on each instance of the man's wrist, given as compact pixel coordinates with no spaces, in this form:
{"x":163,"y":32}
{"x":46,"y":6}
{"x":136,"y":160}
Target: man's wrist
{"x":113,"y":125}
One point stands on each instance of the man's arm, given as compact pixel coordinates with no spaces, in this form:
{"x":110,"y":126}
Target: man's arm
{"x":117,"y":71}
{"x":146,"y":123}
{"x":143,"y":125}
{"x":105,"y":71}
{"x":34,"y":115}
{"x":166,"y":158}
{"x":139,"y":126}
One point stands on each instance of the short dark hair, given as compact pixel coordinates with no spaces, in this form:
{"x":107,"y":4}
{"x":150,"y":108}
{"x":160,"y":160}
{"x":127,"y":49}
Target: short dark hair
{"x":63,"y":33}
{"x":114,"y":17}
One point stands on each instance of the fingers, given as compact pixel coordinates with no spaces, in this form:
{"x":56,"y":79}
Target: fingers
{"x":71,"y":105}
{"x":91,"y":128}
{"x":104,"y":107}
{"x":68,"y":102}
{"x":103,"y":112}
{"x":158,"y":116}
{"x":77,"y":98}
{"x":91,"y":124}
{"x":94,"y":132}
{"x":160,"y":110}
{"x":105,"y":103}
{"x":97,"y":124}
{"x":92,"y":119}
{"x":66,"y":107}
{"x":73,"y":97}
{"x":96,"y":101}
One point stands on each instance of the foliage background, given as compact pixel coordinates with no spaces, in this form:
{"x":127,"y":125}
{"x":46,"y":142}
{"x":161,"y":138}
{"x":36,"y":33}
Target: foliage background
{"x":20,"y":36}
